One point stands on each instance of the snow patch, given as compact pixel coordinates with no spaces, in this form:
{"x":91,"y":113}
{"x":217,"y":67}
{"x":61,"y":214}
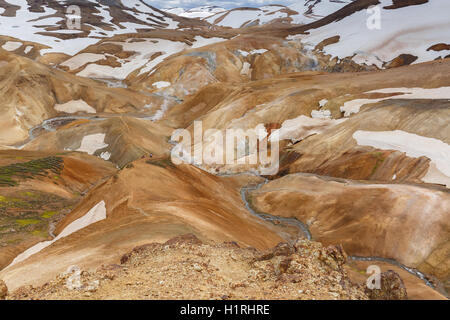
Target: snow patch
{"x":198,"y":12}
{"x":302,"y":127}
{"x":12,"y":45}
{"x":91,"y":143}
{"x":311,"y":11}
{"x":245,"y":71}
{"x":143,"y":52}
{"x":353,"y":106}
{"x":255,"y":51}
{"x":81,"y":59}
{"x":201,"y":42}
{"x":243,"y":53}
{"x":28,"y":49}
{"x":105,"y":155}
{"x":160,"y":113}
{"x":75,"y":106}
{"x":427,"y":24}
{"x":323,"y":102}
{"x":30,"y":26}
{"x":321,"y":114}
{"x":414,"y":146}
{"x":258,"y":51}
{"x":161,"y":84}
{"x":242,"y":17}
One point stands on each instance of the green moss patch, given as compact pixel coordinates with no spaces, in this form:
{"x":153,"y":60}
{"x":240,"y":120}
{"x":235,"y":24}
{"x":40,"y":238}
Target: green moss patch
{"x":48,"y":214}
{"x":9,"y":175}
{"x":27,"y":222}
{"x":39,"y":233}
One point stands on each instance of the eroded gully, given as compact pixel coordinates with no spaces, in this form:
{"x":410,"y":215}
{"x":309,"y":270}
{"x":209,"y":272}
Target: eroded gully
{"x":303,"y":231}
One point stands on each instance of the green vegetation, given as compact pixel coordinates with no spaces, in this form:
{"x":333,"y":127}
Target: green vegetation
{"x":14,"y":241}
{"x":26,"y":214}
{"x":29,"y":170}
{"x":48,"y":214}
{"x":30,"y":194}
{"x":39,"y":233}
{"x":7,"y":202}
{"x":27,"y":222}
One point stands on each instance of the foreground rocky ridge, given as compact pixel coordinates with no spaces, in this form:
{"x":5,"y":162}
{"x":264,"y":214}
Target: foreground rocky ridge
{"x":185,"y":268}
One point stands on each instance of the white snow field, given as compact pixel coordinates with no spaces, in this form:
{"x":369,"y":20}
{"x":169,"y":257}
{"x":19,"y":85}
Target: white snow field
{"x":301,"y":127}
{"x":408,"y":30}
{"x":161,"y":84}
{"x":301,"y":12}
{"x":414,"y":146}
{"x":81,"y":59}
{"x":93,"y":142}
{"x":319,"y":10}
{"x":27,"y":25}
{"x":198,"y":12}
{"x":75,"y":106}
{"x":353,"y":106}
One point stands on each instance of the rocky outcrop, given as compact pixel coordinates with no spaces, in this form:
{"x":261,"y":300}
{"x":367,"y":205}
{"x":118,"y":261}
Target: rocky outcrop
{"x":391,"y":288}
{"x":3,"y":290}
{"x":401,"y":60}
{"x":186,"y":268}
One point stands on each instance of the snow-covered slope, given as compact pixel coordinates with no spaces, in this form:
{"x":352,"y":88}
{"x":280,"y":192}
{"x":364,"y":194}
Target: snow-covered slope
{"x":313,"y":10}
{"x":104,"y":61}
{"x":417,"y":32}
{"x":46,"y":22}
{"x":198,"y":12}
{"x":301,"y":12}
{"x":245,"y":17}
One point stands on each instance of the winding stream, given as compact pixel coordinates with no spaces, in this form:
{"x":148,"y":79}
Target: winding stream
{"x":52,"y":124}
{"x":304,"y":231}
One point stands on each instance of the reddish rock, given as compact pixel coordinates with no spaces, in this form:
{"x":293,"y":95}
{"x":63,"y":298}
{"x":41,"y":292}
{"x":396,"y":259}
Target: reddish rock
{"x":439,"y":47}
{"x":401,"y":60}
{"x":184,"y":239}
{"x":282,"y":249}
